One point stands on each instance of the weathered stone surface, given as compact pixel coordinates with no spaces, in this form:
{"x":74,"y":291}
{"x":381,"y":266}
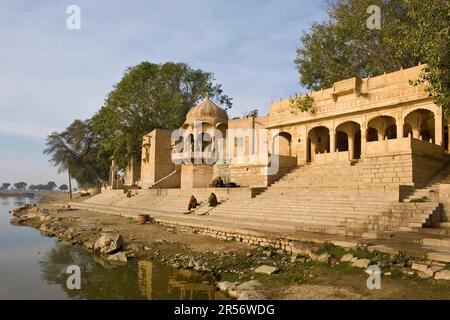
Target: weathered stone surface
{"x":419,"y":267}
{"x":345,"y":244}
{"x":431,"y":242}
{"x":439,"y":256}
{"x":436,"y":268}
{"x":109,"y":243}
{"x":301,"y":250}
{"x":266,"y":270}
{"x":226,"y":285}
{"x":89,"y":244}
{"x":347,"y":258}
{"x":118,"y":257}
{"x":361,"y":263}
{"x":382,"y":249}
{"x":17,"y":220}
{"x":442,"y":275}
{"x":424,"y":275}
{"x":323,"y":258}
{"x":250,"y":290}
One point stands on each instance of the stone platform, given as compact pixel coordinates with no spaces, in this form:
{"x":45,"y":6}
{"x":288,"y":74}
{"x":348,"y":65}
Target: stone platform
{"x":302,"y":206}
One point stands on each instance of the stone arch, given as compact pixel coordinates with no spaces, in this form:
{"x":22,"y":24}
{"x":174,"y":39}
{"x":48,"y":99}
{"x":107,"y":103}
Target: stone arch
{"x":421,"y":123}
{"x":318,"y":141}
{"x":385,"y":126}
{"x":372,"y":135}
{"x":341,"y":141}
{"x":283,"y":142}
{"x":348,"y":138}
{"x":407,"y":129}
{"x":189,"y":142}
{"x":222,"y":128}
{"x":206,"y":141}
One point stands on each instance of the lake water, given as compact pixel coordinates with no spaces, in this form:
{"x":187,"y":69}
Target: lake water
{"x":34,"y":267}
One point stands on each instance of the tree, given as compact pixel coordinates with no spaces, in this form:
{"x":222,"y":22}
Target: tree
{"x":77,"y":150}
{"x":429,"y":39}
{"x":20,"y":185}
{"x":150,"y":96}
{"x":63,"y":187}
{"x":251,"y":114}
{"x":412,"y":31}
{"x":5,"y":186}
{"x":50,"y":186}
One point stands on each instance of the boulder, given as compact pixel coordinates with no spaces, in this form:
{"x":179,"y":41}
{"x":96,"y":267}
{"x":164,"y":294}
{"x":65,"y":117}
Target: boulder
{"x":442,"y":275}
{"x":89,"y":244}
{"x":347,"y":258}
{"x":425,"y":271}
{"x":118,"y":257}
{"x":109,"y":243}
{"x":17,"y":220}
{"x":266,"y":270}
{"x":250,"y":290}
{"x":226,"y":285}
{"x":361,"y":263}
{"x":324,"y":258}
{"x":424,"y":275}
{"x":419,"y":267}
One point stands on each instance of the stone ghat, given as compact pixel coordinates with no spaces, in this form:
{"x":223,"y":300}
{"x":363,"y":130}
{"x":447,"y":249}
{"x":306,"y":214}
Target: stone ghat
{"x":290,"y":240}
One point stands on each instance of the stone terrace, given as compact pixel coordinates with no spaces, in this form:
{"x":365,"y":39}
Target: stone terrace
{"x":312,"y":203}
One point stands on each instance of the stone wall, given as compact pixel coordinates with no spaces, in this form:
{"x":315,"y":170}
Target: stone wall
{"x":132,"y":172}
{"x":425,"y":168}
{"x":249,"y":175}
{"x":156,"y":158}
{"x":196,"y":175}
{"x":444,"y":199}
{"x":388,"y":169}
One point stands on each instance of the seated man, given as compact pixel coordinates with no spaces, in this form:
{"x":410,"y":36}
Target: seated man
{"x":192,"y":203}
{"x":214,"y":183}
{"x":220,"y":183}
{"x":212,"y":200}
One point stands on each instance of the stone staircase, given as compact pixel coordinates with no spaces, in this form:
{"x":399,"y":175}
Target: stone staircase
{"x":431,"y":191}
{"x":328,"y":199}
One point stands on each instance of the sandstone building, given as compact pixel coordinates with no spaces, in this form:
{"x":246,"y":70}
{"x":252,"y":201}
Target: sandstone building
{"x":369,"y":160}
{"x":357,"y":120}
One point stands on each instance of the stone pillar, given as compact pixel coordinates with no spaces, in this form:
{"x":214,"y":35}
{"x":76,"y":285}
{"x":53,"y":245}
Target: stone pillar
{"x":363,"y":127}
{"x":313,"y":148}
{"x":400,"y":128}
{"x":448,"y":134}
{"x":332,"y":140}
{"x":380,"y":134}
{"x":415,"y":131}
{"x":439,"y":128}
{"x":351,"y":146}
{"x":305,"y":145}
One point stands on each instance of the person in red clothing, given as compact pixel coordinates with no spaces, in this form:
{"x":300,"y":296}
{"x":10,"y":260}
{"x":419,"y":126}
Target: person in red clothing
{"x":193,"y":203}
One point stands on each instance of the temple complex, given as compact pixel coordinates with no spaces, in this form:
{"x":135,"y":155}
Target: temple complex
{"x":369,"y":159}
{"x":357,"y":120}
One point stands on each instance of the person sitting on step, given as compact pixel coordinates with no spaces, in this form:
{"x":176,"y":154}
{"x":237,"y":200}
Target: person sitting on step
{"x":212,"y":200}
{"x":193,"y":203}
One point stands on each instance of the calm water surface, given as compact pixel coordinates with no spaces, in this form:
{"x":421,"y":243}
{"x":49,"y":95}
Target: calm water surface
{"x":34,"y":267}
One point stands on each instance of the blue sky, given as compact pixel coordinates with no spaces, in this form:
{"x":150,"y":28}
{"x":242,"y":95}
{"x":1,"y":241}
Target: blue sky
{"x":50,"y":75}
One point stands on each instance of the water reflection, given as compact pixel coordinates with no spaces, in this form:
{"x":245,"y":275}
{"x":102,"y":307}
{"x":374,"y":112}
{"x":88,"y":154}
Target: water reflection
{"x":141,"y":280}
{"x":34,"y":267}
{"x":155,"y":282}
